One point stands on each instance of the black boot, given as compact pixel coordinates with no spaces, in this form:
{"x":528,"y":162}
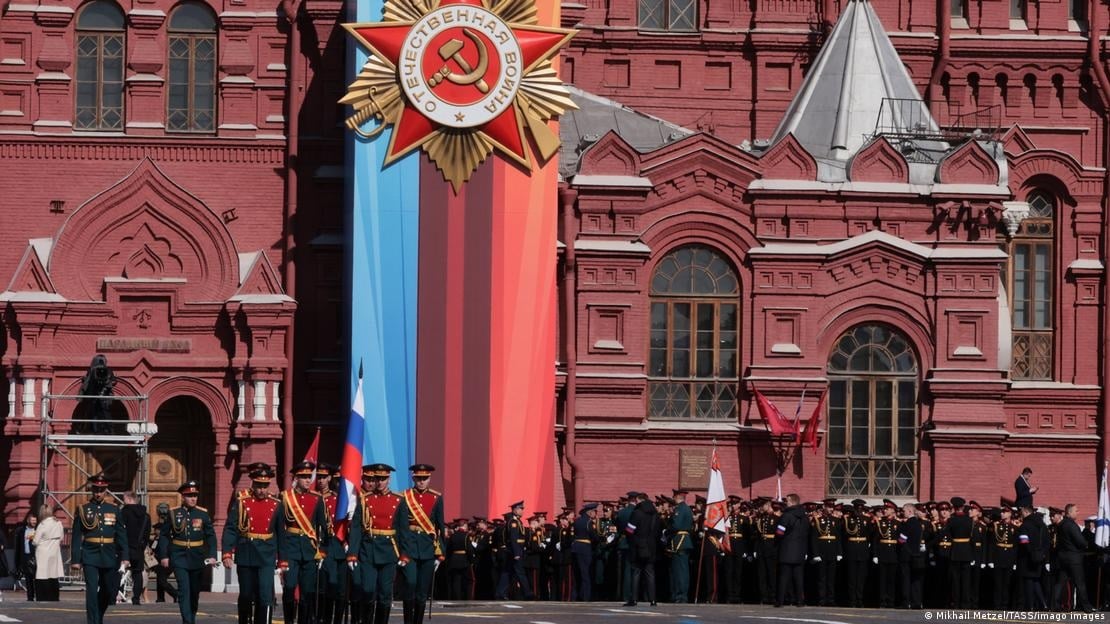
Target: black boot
{"x":356,"y":612}
{"x":418,"y":612}
{"x":306,"y":608}
{"x":338,"y":610}
{"x":289,"y":606}
{"x":246,"y":611}
{"x":406,"y":605}
{"x":381,"y":613}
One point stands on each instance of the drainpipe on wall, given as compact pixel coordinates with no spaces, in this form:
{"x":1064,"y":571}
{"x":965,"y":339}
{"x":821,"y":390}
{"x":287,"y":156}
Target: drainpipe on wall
{"x":944,"y":50}
{"x":292,"y":10}
{"x":1094,"y":56}
{"x":827,"y":22}
{"x":567,"y":199}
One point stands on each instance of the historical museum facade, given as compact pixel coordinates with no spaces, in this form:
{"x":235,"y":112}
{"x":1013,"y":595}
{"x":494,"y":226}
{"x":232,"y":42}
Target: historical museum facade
{"x":755,"y":197}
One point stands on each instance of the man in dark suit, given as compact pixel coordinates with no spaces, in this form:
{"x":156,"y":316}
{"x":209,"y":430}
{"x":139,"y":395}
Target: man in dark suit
{"x":644,"y":529}
{"x":1023,"y":492}
{"x":137,"y":522}
{"x":792,"y":532}
{"x":1071,"y":545}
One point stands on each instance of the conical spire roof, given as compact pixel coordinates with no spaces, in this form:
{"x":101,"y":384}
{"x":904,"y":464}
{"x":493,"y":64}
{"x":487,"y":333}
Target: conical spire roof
{"x":838,"y":105}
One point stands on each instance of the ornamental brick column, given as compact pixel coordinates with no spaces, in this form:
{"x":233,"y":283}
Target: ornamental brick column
{"x":53,"y":85}
{"x":238,"y":106}
{"x":145,"y":96}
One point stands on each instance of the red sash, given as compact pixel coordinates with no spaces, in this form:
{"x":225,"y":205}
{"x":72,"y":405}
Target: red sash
{"x":294,"y":507}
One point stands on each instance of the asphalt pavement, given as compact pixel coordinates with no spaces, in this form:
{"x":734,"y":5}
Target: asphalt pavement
{"x":221,"y":608}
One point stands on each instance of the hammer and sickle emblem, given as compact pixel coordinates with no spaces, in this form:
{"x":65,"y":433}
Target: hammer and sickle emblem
{"x":472,"y":75}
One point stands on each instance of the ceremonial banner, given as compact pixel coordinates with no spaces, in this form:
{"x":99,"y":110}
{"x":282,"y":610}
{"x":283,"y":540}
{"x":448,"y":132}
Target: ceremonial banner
{"x":716,"y":506}
{"x":473,"y":389}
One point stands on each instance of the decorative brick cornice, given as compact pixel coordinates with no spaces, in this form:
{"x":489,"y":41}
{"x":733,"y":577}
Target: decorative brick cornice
{"x":131,"y":149}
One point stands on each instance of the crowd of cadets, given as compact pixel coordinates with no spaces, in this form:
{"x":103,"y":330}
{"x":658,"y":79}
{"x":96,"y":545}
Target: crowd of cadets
{"x":948,"y":554}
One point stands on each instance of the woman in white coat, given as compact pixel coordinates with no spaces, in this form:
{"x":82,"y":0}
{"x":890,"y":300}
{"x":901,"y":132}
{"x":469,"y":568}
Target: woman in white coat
{"x":48,"y":552}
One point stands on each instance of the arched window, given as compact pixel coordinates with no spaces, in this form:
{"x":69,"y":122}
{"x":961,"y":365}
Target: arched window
{"x":100,"y":46}
{"x":191,"y":104}
{"x":1030,"y":284}
{"x":692,"y":366}
{"x":872,"y":423}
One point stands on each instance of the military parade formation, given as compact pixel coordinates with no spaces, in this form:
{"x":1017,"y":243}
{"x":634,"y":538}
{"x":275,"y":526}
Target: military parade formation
{"x":946,"y":554}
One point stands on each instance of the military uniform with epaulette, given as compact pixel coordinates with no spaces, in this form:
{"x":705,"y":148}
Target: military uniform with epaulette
{"x":420,"y":534}
{"x":188,"y":540}
{"x":766,"y":557}
{"x":512,"y":543}
{"x":334,"y":578}
{"x":679,"y":544}
{"x":250,"y":539}
{"x":959,"y":529}
{"x":624,"y":560}
{"x":1002,"y":559}
{"x":372,"y":548}
{"x":303,"y":528}
{"x":739,"y":527}
{"x":885,"y":551}
{"x":99,"y":546}
{"x":826,"y":549}
{"x":856,"y":529}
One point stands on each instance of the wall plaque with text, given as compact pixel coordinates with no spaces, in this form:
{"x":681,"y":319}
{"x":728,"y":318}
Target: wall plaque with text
{"x":693,"y":468}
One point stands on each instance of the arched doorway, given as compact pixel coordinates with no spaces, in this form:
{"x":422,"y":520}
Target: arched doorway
{"x":872,"y":420}
{"x":183,"y":448}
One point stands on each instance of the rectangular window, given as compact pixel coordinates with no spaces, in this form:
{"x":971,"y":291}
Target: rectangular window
{"x":1017,"y":10}
{"x":693,"y":351}
{"x":99,"y":81}
{"x":672,"y":15}
{"x":191,"y":104}
{"x":959,"y":9}
{"x":1077,"y":10}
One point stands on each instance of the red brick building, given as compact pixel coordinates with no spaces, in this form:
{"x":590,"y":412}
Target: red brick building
{"x":737,"y":216}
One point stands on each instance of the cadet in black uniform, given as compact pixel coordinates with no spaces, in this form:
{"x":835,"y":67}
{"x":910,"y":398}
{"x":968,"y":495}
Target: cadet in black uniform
{"x":857,"y":529}
{"x":959,"y":529}
{"x":1001,"y":556}
{"x":187,"y":544}
{"x":912,"y":555}
{"x":100,"y":546}
{"x":512,"y":566}
{"x":885,"y":553}
{"x":826,"y":550}
{"x":766,"y":553}
{"x":739,"y":525}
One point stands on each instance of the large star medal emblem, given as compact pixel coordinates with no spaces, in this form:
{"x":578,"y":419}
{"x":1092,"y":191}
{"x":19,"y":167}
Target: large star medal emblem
{"x":460,"y":79}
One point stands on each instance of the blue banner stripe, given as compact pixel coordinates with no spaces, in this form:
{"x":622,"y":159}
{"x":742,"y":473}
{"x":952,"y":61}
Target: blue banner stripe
{"x":383,"y":226}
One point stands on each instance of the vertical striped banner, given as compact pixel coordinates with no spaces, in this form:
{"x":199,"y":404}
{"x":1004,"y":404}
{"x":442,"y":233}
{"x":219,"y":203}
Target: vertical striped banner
{"x":383,"y":226}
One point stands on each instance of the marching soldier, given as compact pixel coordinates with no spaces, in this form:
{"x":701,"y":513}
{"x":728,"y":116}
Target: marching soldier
{"x":372,"y":550}
{"x":682,"y":522}
{"x":250,"y":538}
{"x":187,"y":544}
{"x":100,"y":547}
{"x":512,"y":555}
{"x":334,"y":573}
{"x":304,"y":526}
{"x":420,"y":532}
{"x":827,"y":552}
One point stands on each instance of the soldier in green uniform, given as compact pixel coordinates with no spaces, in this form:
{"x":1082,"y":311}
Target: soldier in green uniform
{"x":372,"y":548}
{"x":680,"y":545}
{"x":302,"y":537}
{"x":420,"y":532}
{"x":250,"y":537}
{"x":187,"y":543}
{"x":100,"y":548}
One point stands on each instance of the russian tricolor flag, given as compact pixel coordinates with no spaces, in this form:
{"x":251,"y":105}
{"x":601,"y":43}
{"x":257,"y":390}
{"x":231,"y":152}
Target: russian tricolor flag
{"x":350,"y":470}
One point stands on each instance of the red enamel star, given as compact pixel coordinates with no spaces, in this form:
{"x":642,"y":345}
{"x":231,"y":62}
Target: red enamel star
{"x":412,"y":129}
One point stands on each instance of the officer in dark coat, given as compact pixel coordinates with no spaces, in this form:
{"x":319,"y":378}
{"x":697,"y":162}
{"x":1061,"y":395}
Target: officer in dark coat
{"x":885,"y":553}
{"x":680,"y":544}
{"x":512,"y":554}
{"x":187,"y":544}
{"x":1071,"y":547}
{"x":1032,"y":555}
{"x":912,"y":555}
{"x":250,"y":538}
{"x":582,"y":550}
{"x":420,"y":524}
{"x":137,"y":522}
{"x":959,"y":530}
{"x":372,"y":549}
{"x":100,"y":547}
{"x":644,"y":529}
{"x":459,"y":555}
{"x":620,"y":520}
{"x":792,"y":532}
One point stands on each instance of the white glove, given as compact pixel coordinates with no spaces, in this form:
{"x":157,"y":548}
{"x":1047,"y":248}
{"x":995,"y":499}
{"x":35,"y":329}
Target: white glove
{"x":921,"y":547}
{"x":973,"y":564}
{"x":816,"y":559}
{"x":211,"y":562}
{"x":875,"y":560}
{"x":990,"y":565}
{"x":932,"y":563}
{"x":755,"y":555}
{"x":122,"y":567}
{"x":609,"y":539}
{"x":352,"y":565}
{"x":559,"y":546}
{"x":1014,"y":567}
{"x":983,"y":566}
{"x":435,"y":566}
{"x":1048,"y":567}
{"x":319,"y":564}
{"x":839,"y":557}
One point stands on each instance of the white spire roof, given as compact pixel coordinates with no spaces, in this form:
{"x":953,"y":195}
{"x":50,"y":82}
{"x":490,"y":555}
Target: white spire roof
{"x":838,"y":105}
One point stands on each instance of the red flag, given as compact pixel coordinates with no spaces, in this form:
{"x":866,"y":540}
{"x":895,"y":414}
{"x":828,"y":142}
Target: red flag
{"x":780,"y":425}
{"x":809,"y":436}
{"x":313,"y":453}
